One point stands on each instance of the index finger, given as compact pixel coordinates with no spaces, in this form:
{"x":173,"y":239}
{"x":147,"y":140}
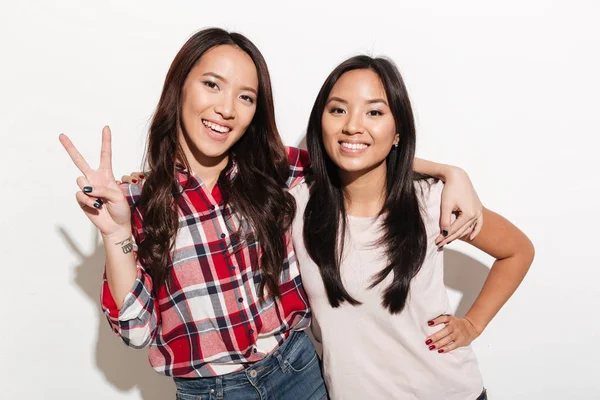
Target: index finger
{"x":458,"y":229}
{"x":106,"y":150}
{"x":77,"y":158}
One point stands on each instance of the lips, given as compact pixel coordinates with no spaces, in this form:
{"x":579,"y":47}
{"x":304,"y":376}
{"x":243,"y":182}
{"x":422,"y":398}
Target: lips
{"x":217,"y":128}
{"x":353,"y":145}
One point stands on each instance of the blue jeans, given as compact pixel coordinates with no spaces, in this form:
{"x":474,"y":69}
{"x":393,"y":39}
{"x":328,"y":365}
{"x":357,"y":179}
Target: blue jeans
{"x":292,"y":372}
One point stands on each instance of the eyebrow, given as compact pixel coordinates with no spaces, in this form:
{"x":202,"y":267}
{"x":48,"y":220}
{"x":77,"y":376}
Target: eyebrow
{"x":377,"y":101}
{"x":219,"y":77}
{"x":340,"y":100}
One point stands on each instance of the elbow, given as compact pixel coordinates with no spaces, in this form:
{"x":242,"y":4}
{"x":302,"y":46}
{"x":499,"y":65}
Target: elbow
{"x":527,"y":253}
{"x":530,"y":252}
{"x":137,"y":342}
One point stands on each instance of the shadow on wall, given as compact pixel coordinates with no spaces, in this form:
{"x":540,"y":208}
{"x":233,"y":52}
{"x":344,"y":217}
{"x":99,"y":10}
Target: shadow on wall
{"x":466,"y":275}
{"x":124,"y":368}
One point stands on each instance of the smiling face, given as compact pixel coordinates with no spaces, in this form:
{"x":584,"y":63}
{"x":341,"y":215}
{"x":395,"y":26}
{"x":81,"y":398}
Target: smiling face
{"x":358,"y":127}
{"x":218,"y":103}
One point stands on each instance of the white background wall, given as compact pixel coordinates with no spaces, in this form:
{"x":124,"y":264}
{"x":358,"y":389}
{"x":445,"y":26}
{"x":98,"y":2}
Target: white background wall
{"x":508,"y":91}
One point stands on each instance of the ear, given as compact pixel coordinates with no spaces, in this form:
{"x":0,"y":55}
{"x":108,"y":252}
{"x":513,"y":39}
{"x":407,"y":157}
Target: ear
{"x":397,"y":139}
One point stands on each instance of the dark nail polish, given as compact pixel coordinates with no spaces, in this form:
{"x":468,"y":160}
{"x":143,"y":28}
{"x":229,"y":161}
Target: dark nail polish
{"x":445,"y":233}
{"x":87,"y":189}
{"x":432,"y":347}
{"x":134,"y":180}
{"x":450,"y":242}
{"x":97,"y":205}
{"x":430,"y":323}
{"x":440,"y":350}
{"x":99,"y":201}
{"x":428,"y":341}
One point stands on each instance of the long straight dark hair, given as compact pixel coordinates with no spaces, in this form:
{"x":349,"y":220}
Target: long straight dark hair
{"x":257,"y":192}
{"x":404,"y":233}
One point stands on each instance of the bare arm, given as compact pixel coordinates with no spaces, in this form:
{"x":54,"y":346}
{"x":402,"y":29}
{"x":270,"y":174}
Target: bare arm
{"x":437,"y":170}
{"x":458,"y":197}
{"x":121,"y":269}
{"x":514,"y":254}
{"x":103,"y":202}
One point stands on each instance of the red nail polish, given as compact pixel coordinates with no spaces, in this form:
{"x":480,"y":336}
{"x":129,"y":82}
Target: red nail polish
{"x":428,"y":341}
{"x":440,"y":350}
{"x":431,"y":347}
{"x":134,"y":180}
{"x":429,"y":323}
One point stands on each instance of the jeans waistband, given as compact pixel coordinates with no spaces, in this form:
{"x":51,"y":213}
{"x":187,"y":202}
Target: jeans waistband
{"x":254,"y":371}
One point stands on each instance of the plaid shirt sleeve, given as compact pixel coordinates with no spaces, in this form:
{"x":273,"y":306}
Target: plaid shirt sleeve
{"x":137,"y":321}
{"x":299,"y":166}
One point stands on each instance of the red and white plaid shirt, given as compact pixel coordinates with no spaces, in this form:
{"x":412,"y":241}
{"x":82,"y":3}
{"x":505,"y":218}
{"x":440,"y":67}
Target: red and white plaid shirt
{"x":209,"y":321}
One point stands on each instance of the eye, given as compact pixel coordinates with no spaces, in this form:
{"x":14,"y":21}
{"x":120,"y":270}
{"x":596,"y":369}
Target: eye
{"x":211,"y":84}
{"x":247,"y":98}
{"x":374,"y":113}
{"x":336,"y":110}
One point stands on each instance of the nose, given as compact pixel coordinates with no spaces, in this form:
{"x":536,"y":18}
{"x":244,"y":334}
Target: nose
{"x":225,"y":106}
{"x":354,"y":125}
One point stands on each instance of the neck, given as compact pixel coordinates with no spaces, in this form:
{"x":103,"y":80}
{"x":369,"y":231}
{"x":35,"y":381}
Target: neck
{"x":208,"y":169}
{"x":208,"y":172}
{"x":364,"y":191}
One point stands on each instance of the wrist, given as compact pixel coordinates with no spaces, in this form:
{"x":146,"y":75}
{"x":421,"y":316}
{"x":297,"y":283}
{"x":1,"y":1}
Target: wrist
{"x":451,"y":173}
{"x":122,"y":233}
{"x":477,"y":327}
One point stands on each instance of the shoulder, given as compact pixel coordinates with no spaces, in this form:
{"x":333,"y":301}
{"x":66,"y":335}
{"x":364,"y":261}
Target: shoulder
{"x":299,"y":163}
{"x":298,"y":157}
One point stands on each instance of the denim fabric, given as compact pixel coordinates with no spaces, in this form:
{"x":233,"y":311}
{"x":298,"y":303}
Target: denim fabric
{"x":292,"y":372}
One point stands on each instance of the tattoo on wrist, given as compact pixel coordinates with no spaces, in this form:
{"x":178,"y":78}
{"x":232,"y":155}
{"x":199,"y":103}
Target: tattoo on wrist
{"x":126,"y":245}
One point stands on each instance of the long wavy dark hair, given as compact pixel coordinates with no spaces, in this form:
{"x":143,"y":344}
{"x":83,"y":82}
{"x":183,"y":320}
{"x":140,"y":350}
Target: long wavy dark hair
{"x":256,"y":193}
{"x":404,"y":235}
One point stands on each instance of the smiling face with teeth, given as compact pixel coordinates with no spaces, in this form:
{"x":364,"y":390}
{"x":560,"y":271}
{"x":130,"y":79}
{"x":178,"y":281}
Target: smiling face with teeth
{"x":218,"y":103}
{"x":357,"y":125}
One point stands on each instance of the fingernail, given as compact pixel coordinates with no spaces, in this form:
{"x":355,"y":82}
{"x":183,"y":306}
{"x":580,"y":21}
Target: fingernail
{"x":134,"y":180}
{"x":440,"y":350}
{"x":431,"y":347}
{"x":428,"y":341}
{"x":430,"y":323}
{"x":97,"y":205}
{"x":99,"y":201}
{"x":445,"y":233}
{"x":450,"y":242}
{"x":87,"y":189}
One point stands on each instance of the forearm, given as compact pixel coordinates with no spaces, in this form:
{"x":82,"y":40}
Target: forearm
{"x":121,"y":269}
{"x":504,"y":278}
{"x":437,"y":170}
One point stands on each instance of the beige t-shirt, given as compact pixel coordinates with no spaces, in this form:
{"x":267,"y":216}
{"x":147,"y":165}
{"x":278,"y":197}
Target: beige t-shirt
{"x":369,"y":353}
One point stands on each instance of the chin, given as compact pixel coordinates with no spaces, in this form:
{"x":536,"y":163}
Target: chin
{"x":345,"y":166}
{"x":214,"y":151}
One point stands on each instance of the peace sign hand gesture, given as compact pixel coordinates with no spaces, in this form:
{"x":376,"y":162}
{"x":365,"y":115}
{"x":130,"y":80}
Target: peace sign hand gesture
{"x":100,"y":197}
